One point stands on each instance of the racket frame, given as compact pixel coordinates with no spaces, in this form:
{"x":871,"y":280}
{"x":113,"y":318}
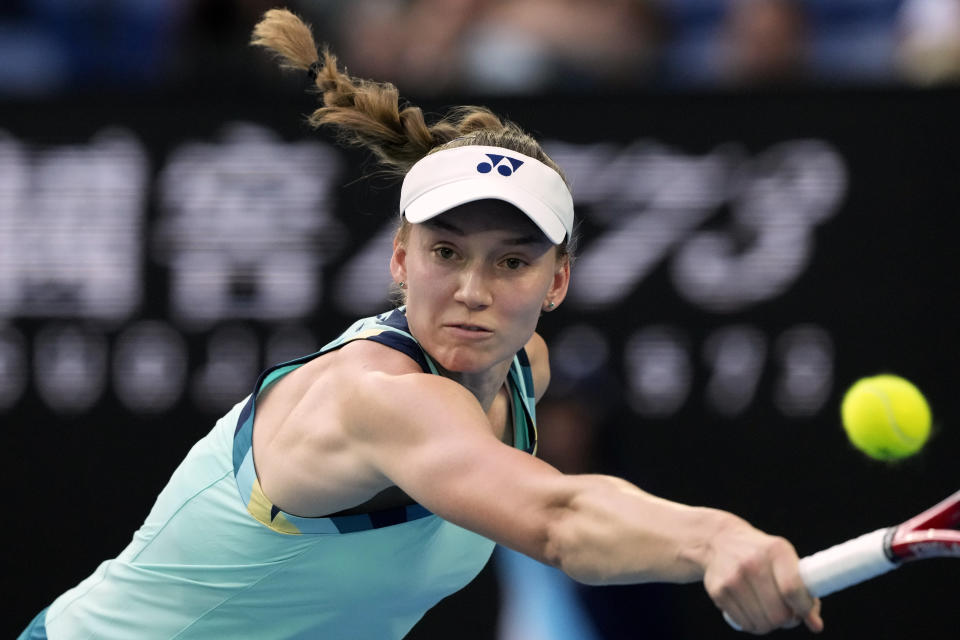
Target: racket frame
{"x":934,"y":533}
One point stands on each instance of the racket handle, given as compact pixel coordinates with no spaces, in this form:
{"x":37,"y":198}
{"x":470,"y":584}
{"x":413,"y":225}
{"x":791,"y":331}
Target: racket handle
{"x":842,"y":566}
{"x":846,"y":564}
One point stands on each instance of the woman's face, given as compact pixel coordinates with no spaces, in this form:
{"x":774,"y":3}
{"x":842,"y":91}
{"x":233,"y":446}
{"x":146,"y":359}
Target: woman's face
{"x":477,"y":278}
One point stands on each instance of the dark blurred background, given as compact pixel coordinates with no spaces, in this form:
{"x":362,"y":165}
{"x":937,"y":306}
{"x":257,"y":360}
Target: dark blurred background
{"x":515,"y":47}
{"x":768,"y":200}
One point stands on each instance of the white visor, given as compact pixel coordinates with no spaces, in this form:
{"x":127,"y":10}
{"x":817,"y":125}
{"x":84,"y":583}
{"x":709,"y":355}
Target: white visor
{"x":452,"y":177}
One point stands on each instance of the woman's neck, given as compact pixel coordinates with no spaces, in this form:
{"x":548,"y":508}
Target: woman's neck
{"x":484,"y":385}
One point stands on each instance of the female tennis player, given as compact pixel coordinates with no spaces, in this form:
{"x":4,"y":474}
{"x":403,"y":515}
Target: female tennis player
{"x":358,"y":486}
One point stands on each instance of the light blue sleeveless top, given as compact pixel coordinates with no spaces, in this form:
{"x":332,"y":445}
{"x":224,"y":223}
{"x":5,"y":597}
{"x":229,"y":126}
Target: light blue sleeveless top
{"x":216,"y":559}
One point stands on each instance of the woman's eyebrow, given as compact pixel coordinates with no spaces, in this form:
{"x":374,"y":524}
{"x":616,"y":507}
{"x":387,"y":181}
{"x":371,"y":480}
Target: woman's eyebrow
{"x":523,"y":240}
{"x":446,"y":226}
{"x":452,"y":228}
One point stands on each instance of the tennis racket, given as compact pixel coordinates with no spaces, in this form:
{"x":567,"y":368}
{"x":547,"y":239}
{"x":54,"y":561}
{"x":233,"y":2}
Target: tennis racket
{"x":931,"y":534}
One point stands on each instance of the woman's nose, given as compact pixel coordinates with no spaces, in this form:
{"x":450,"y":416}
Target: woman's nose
{"x":473,"y":289}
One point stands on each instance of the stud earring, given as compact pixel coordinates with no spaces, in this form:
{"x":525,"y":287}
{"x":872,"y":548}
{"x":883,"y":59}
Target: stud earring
{"x":402,"y":284}
{"x":550,"y":305}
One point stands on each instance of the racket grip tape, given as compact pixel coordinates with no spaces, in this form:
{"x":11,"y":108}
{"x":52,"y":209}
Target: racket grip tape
{"x":846,"y":564}
{"x":843,"y":565}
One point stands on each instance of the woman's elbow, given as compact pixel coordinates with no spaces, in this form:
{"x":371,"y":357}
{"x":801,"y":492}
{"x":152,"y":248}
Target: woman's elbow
{"x":568,"y":547}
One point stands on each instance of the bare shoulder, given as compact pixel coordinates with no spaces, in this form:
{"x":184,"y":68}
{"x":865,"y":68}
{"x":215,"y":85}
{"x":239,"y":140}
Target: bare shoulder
{"x":339,"y":376}
{"x":539,"y":357}
{"x":355,"y":378}
{"x":323,"y":386}
{"x":363,"y":356}
{"x":308,"y":420}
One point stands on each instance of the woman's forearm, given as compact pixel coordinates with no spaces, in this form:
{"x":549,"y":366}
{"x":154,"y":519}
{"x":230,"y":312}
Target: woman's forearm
{"x":612,"y":532}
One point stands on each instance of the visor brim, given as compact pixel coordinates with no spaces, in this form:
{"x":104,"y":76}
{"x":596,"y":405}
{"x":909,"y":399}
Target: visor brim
{"x":445,"y":197}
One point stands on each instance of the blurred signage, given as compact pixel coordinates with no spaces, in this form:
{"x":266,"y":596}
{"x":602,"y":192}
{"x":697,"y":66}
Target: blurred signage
{"x":171,"y":273}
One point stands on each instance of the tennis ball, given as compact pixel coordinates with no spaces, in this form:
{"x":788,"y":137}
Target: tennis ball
{"x":886,"y":417}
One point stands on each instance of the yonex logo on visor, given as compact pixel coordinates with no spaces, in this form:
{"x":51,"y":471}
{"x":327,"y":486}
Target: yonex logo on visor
{"x":452,"y":177}
{"x":502,"y":169}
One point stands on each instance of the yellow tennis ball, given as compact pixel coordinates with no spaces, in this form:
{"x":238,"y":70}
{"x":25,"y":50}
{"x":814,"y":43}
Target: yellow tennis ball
{"x":886,"y":417}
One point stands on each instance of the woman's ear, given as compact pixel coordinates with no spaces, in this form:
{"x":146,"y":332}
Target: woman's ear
{"x":398,"y":261}
{"x":561,"y":282}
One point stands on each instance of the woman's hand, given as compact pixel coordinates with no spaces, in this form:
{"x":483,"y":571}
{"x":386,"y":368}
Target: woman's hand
{"x":754,"y":578}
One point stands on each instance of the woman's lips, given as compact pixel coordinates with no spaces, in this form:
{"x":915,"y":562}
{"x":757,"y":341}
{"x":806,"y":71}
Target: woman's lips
{"x":472,"y":331}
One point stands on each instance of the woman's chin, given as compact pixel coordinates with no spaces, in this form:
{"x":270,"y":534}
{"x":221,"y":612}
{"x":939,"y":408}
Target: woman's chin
{"x":466,"y":364}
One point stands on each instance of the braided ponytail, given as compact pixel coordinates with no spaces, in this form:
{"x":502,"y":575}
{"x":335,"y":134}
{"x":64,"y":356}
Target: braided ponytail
{"x":365,"y":113}
{"x":369,"y":114}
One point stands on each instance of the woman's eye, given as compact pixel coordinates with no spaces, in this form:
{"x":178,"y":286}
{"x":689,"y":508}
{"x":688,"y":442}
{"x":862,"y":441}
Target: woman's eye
{"x":513,"y":263}
{"x":444,"y":252}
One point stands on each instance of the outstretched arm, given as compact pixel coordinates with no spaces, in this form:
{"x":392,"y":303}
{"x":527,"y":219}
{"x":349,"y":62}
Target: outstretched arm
{"x":429,"y":436}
